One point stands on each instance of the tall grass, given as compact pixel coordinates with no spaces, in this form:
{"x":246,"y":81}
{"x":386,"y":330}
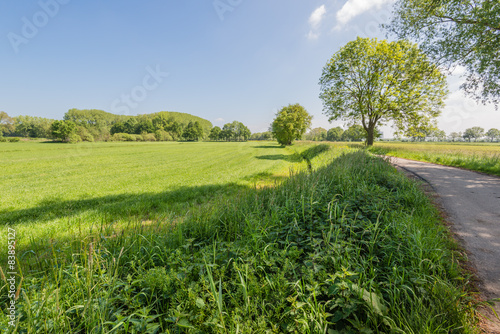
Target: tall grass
{"x":351,"y":247}
{"x":478,"y":157}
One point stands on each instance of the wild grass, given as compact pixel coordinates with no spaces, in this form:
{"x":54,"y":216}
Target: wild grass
{"x":481,"y":157}
{"x":348,"y":246}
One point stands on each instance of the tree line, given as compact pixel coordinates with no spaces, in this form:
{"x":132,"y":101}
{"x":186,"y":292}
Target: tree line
{"x":97,"y":125}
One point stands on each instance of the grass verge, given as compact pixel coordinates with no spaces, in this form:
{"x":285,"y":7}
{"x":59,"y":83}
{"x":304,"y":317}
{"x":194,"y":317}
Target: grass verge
{"x":482,"y":158}
{"x":351,"y":247}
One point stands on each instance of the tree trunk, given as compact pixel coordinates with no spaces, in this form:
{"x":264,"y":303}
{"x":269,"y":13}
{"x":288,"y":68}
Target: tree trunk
{"x":370,"y":132}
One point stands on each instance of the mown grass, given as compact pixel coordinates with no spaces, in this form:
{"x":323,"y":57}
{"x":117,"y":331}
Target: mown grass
{"x":55,"y":191}
{"x":346,"y":246}
{"x":482,"y":157}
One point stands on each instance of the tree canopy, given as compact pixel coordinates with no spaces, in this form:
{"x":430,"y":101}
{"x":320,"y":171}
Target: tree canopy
{"x":456,"y":32}
{"x":372,"y":82}
{"x":291,"y":123}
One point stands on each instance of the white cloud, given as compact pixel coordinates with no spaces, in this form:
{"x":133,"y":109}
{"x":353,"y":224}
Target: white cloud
{"x":317,"y":16}
{"x":315,"y":20}
{"x":312,"y":35}
{"x":353,"y":8}
{"x":219,"y":120}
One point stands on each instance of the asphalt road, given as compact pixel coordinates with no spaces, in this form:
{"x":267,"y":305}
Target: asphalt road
{"x":472,"y":203}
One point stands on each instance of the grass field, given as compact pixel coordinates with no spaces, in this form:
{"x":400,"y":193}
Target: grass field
{"x":51,"y":191}
{"x":224,"y":238}
{"x":482,"y":157}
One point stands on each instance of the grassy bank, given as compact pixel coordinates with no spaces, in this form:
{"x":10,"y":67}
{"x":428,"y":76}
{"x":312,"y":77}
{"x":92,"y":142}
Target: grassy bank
{"x":350,"y":247}
{"x":481,"y":157}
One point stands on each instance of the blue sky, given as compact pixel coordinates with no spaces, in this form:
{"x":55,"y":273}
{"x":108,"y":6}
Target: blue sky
{"x":222,"y":60}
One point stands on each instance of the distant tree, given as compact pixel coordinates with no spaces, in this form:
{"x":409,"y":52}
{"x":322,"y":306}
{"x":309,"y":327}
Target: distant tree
{"x":63,"y":130}
{"x":372,"y":82}
{"x":34,"y":127}
{"x":316,"y":134}
{"x":354,"y":133}
{"x":456,"y":32}
{"x":493,"y":134}
{"x":335,"y":134}
{"x":291,"y":123}
{"x":118,"y":127}
{"x":244,"y":132}
{"x":262,"y":136}
{"x":160,"y":122}
{"x":215,"y":133}
{"x":475,"y":133}
{"x":6,"y":123}
{"x":455,"y":136}
{"x":144,"y":126}
{"x":130,"y":125}
{"x":193,"y":131}
{"x":438,"y":134}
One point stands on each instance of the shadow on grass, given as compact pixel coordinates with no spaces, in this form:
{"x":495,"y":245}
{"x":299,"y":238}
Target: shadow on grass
{"x":306,"y":155}
{"x":115,"y":207}
{"x":269,"y":146}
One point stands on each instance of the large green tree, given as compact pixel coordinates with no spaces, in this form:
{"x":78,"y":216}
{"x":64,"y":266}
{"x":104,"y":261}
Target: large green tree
{"x":372,"y":82}
{"x":291,"y":123}
{"x":335,"y":134}
{"x":493,"y":134}
{"x":475,"y":133}
{"x":456,"y":32}
{"x":63,"y":129}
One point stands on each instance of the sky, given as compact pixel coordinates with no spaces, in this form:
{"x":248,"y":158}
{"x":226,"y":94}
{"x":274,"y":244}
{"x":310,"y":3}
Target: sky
{"x":222,"y":60}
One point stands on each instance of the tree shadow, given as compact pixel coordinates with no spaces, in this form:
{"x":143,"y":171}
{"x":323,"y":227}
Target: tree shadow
{"x":122,"y":206}
{"x":269,"y":146}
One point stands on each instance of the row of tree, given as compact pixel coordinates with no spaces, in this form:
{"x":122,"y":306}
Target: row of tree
{"x":235,"y":131}
{"x":353,"y":133}
{"x":90,"y":125}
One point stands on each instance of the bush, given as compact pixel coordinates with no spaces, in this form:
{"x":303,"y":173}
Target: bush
{"x":162,"y":135}
{"x":14,"y":140}
{"x":74,"y":138}
{"x":122,"y":137}
{"x":138,"y":137}
{"x":148,"y":137}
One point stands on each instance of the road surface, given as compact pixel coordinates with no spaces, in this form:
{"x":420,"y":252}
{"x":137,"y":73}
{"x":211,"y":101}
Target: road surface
{"x":472,"y":203}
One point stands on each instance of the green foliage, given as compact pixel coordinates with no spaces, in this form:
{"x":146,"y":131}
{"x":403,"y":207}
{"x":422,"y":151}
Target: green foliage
{"x":64,"y":130}
{"x":235,"y":131}
{"x":493,"y":134}
{"x":193,"y":131}
{"x":475,"y":133}
{"x":123,"y":137}
{"x":456,"y":32}
{"x":316,"y":134}
{"x":291,"y":123}
{"x":34,"y":127}
{"x":6,"y":124}
{"x":372,"y":82}
{"x":350,"y":247}
{"x":73,"y":138}
{"x":335,"y":134}
{"x":215,"y":133}
{"x":268,"y":135}
{"x":354,"y":133}
{"x":162,"y":135}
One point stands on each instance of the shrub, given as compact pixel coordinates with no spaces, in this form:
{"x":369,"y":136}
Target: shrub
{"x":14,"y":140}
{"x":138,"y":137}
{"x":74,"y":138}
{"x":162,"y":135}
{"x":122,"y":137}
{"x":148,"y":137}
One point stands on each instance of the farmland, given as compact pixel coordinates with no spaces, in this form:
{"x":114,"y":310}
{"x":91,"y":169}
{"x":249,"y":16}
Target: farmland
{"x":482,"y":157}
{"x":225,"y":238}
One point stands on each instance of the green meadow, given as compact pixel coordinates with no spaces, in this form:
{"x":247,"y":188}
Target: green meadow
{"x":224,"y":238}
